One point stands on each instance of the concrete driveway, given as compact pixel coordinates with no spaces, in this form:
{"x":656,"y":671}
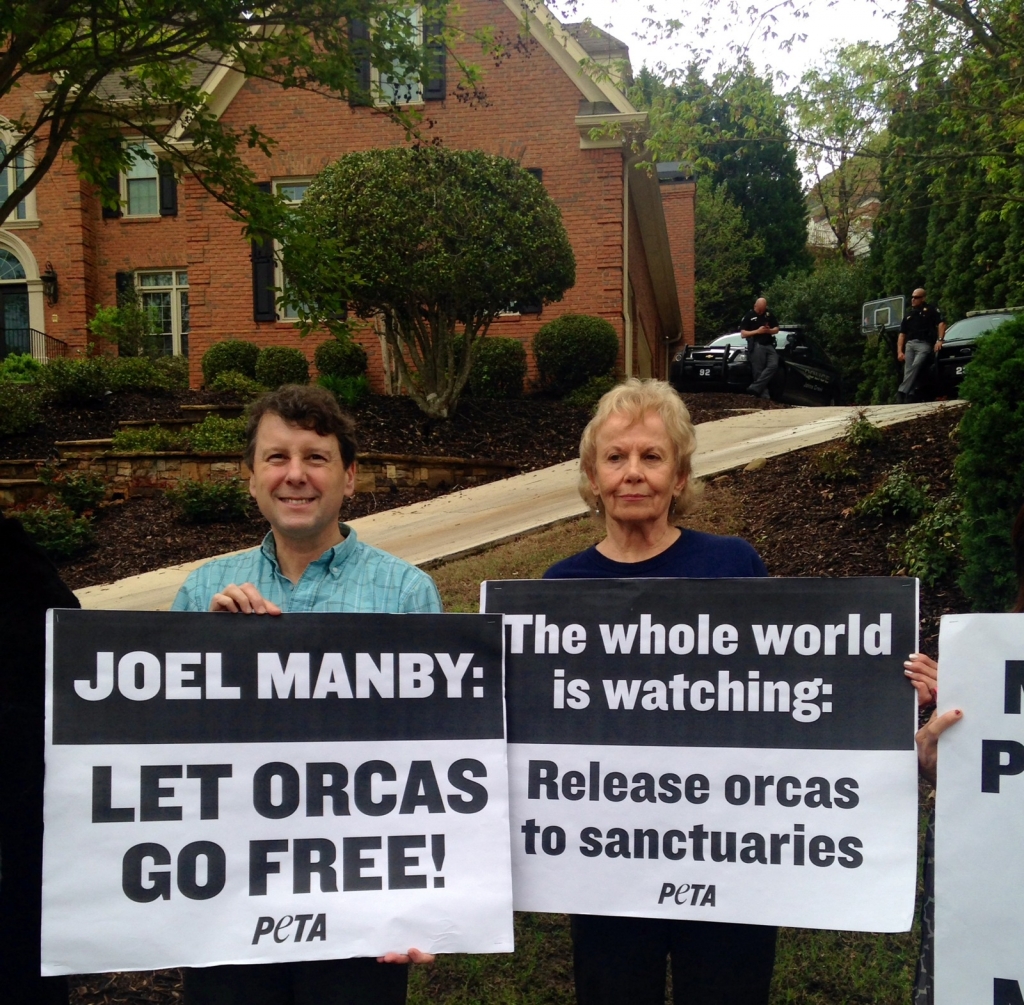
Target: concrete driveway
{"x":473,"y":519}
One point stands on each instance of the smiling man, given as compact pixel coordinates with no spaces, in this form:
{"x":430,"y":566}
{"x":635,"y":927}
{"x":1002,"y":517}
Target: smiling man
{"x":301,"y":450}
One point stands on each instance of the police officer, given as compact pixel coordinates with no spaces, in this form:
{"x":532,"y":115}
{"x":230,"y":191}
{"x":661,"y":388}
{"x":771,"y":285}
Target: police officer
{"x":921,"y":335}
{"x":759,"y":327}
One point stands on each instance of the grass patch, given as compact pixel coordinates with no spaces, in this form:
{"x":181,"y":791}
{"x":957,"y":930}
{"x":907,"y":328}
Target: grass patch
{"x":812,"y":967}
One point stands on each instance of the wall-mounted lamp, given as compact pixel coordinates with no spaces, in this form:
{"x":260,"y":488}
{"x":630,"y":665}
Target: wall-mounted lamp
{"x":50,"y":288}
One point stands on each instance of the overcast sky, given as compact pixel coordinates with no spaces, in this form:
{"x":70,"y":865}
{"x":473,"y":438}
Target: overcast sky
{"x":827,"y":25}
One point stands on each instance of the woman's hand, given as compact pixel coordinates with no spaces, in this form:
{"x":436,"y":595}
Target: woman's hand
{"x":923,"y":673}
{"x":413,"y":956}
{"x":927,"y":740}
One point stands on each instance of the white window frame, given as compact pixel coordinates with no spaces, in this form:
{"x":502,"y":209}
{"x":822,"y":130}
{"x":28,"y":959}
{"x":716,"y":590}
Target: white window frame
{"x":416,"y":11}
{"x":279,"y":278}
{"x":25,"y":213}
{"x":175,"y":289}
{"x":123,"y":184}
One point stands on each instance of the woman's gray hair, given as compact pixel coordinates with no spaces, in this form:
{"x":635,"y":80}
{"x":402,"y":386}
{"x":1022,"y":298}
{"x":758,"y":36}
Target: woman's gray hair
{"x":635,"y":398}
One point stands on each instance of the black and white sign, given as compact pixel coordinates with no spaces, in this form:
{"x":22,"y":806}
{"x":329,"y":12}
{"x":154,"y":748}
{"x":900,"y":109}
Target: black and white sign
{"x":979,"y":864}
{"x":718,"y":750}
{"x":313,"y":786}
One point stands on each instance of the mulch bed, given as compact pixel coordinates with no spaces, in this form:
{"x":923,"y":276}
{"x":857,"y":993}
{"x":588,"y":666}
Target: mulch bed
{"x":532,"y":432}
{"x":141,"y":534}
{"x":802,"y":526}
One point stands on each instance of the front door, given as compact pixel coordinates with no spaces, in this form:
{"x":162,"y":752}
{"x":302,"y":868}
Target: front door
{"x":15,"y":334}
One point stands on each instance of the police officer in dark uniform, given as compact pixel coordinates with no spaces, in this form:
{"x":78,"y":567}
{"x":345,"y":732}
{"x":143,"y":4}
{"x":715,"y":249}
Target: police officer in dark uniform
{"x":921,"y":335}
{"x":759,"y":327}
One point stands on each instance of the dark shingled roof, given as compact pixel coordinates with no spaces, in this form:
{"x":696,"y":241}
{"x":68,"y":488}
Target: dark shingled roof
{"x":201,"y":66}
{"x":596,"y":41}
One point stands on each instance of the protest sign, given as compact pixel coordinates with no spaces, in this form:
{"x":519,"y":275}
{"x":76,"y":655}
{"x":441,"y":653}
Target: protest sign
{"x":716,"y":750}
{"x":979,"y":869}
{"x":254,"y":789}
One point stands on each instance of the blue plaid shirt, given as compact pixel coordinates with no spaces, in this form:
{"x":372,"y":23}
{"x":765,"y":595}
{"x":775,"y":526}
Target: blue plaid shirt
{"x":351,"y":578}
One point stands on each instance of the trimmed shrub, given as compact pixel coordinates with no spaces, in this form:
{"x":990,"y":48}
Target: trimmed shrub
{"x":135,"y":373}
{"x":931,"y":550}
{"x":279,"y":364}
{"x":499,"y":368}
{"x":233,"y":354}
{"x":215,"y":435}
{"x":572,"y":349}
{"x":900,"y":495}
{"x":340,"y":358}
{"x":79,"y":492}
{"x":242,"y":387}
{"x":989,"y":471}
{"x":148,"y":440}
{"x":348,"y":390}
{"x":77,"y":381}
{"x":19,"y":409}
{"x":210,"y":502}
{"x":591,"y":392}
{"x":20,"y":368}
{"x":174,"y":370}
{"x":862,"y":433}
{"x":56,"y":529}
{"x":836,"y":464}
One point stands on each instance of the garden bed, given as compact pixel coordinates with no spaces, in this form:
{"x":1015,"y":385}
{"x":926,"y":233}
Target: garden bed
{"x":531,"y":433}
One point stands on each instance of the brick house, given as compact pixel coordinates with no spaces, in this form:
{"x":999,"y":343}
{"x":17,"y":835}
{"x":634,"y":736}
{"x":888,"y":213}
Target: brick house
{"x":61,"y":254}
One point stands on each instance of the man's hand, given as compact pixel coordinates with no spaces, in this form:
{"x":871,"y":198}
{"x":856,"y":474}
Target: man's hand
{"x":901,"y":355}
{"x":927,"y":740}
{"x":413,"y":956}
{"x":923,"y":672}
{"x":244,"y":599}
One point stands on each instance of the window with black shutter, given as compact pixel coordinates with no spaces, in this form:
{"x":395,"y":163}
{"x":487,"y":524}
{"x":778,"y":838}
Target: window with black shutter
{"x":264,"y":307}
{"x":359,"y":43}
{"x":435,"y":88}
{"x":113,"y":185}
{"x":168,"y":189}
{"x":537,"y":173}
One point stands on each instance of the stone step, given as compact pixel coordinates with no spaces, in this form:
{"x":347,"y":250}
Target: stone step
{"x":21,"y":490}
{"x":224,"y":411}
{"x":178,"y":423}
{"x":99,"y":444}
{"x":21,"y":467}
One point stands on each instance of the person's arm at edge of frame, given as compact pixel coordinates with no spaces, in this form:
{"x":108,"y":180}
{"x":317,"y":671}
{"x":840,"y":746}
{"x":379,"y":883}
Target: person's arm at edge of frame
{"x":923,"y":673}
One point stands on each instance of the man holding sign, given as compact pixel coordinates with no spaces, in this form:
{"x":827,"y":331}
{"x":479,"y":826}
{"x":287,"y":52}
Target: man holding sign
{"x":301,"y":450}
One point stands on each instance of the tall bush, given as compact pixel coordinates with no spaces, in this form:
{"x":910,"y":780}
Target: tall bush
{"x":340,"y":357}
{"x":232,"y":354}
{"x":989,"y":468}
{"x":572,"y":349}
{"x":280,"y":364}
{"x":498,"y":369}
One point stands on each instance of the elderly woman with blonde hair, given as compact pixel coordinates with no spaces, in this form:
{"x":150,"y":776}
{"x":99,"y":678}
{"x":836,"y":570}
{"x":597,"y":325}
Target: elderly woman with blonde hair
{"x":636,"y":477}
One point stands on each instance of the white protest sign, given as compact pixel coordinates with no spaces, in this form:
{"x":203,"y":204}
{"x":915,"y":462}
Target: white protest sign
{"x":979,"y":813}
{"x":253,"y":790}
{"x":716,"y":750}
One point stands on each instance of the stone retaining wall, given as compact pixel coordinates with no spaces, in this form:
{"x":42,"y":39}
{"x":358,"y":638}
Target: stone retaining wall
{"x":130,"y":474}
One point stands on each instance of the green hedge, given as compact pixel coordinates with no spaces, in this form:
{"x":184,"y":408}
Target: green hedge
{"x":233,"y":354}
{"x":572,"y":349}
{"x":279,"y":364}
{"x":340,"y":358}
{"x":19,"y":409}
{"x":210,"y":502}
{"x":499,"y":368}
{"x":989,"y":471}
{"x":82,"y":380}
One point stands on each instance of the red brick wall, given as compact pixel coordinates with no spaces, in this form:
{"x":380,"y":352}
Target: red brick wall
{"x":678,"y":201}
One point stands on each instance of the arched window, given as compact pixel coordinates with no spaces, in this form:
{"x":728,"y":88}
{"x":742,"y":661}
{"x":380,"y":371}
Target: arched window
{"x":11,"y":177}
{"x":10,"y":268}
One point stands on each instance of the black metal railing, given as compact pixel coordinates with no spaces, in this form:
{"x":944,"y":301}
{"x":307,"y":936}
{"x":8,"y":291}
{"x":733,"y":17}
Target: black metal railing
{"x":35,"y":343}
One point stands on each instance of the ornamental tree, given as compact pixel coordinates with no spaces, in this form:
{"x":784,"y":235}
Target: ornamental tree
{"x":432,"y":245}
{"x":77,"y":75}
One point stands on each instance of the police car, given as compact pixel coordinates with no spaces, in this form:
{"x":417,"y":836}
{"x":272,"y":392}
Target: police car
{"x":960,"y":344}
{"x":806,"y":376}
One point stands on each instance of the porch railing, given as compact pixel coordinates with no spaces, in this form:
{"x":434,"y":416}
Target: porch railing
{"x":28,"y":340}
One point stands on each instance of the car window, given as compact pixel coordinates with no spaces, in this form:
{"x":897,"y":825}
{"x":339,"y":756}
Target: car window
{"x":734,"y":339}
{"x":971,"y":328}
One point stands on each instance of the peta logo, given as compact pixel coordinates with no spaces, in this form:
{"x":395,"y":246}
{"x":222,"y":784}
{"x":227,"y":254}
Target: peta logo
{"x":694,"y":894}
{"x":281,"y":929}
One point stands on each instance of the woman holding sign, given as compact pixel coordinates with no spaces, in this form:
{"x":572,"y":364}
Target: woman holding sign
{"x":635,"y":466}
